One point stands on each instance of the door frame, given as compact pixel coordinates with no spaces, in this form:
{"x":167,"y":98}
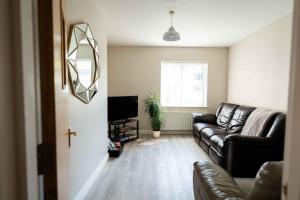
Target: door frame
{"x":47,"y":96}
{"x":291,"y":173}
{"x":53,"y":99}
{"x":25,"y":86}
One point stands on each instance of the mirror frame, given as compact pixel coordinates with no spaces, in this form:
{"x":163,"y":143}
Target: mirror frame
{"x":79,"y":32}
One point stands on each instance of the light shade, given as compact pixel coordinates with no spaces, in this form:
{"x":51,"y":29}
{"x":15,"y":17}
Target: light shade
{"x":171,"y":35}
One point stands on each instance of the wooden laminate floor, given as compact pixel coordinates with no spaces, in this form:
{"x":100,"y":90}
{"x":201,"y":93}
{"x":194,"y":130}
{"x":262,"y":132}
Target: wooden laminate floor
{"x":162,"y":171}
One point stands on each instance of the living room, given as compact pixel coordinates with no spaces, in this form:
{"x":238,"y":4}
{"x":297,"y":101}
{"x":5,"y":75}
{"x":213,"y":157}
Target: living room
{"x":243,"y":68}
{"x":177,"y":99}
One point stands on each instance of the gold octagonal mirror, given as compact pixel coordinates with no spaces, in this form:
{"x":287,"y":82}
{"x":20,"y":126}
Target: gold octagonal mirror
{"x":83,"y":62}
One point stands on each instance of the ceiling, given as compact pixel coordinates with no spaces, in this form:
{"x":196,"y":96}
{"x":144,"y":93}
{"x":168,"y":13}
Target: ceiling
{"x":204,"y":23}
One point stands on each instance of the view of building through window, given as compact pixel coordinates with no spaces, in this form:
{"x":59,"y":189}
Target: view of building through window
{"x":84,"y":67}
{"x":184,"y":84}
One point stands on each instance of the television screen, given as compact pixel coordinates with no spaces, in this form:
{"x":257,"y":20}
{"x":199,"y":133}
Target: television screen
{"x":122,"y":107}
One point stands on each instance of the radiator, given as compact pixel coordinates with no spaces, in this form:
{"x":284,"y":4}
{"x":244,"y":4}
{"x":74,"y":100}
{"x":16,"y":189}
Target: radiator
{"x":177,"y":121}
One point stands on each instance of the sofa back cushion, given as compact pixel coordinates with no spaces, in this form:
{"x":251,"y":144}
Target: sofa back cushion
{"x":226,"y":114}
{"x":219,"y":109}
{"x":267,"y":182}
{"x":239,"y":119}
{"x":257,"y":122}
{"x":277,"y":129}
{"x":211,"y":181}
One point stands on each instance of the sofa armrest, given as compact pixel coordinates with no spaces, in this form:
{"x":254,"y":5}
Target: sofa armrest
{"x":244,"y":155}
{"x":204,"y":118}
{"x":211,"y":182}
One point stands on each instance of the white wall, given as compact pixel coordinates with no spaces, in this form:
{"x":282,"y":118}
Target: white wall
{"x":136,"y":71}
{"x":258,"y":70}
{"x":88,"y":120}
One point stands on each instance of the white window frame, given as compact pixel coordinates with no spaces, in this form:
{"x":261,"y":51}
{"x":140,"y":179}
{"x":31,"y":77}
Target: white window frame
{"x":205,"y":86}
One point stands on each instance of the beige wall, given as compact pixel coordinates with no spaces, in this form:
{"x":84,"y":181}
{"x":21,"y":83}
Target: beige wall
{"x":89,"y":147}
{"x":136,"y":71}
{"x":258,"y":70}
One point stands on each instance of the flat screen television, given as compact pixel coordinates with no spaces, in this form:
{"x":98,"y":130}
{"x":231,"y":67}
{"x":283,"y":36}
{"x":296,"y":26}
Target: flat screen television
{"x":122,"y":107}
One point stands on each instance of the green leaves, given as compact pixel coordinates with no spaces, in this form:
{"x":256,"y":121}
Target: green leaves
{"x":152,"y":107}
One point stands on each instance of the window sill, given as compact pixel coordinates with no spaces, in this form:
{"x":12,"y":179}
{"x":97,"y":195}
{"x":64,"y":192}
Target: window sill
{"x":184,"y":106}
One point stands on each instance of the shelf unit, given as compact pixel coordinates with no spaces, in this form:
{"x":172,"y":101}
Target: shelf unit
{"x":129,"y":130}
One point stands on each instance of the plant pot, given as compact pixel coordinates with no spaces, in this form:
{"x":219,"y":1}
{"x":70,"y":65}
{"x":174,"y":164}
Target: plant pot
{"x":156,"y":134}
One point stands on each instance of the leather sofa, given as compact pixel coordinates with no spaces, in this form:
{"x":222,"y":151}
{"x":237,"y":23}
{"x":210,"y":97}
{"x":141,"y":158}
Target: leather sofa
{"x":211,"y":182}
{"x":219,"y":136}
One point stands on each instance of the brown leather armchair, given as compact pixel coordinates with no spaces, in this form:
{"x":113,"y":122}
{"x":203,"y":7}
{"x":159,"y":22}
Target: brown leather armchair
{"x":211,"y":182}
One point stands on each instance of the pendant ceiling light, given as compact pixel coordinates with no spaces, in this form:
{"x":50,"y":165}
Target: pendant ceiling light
{"x":171,"y":34}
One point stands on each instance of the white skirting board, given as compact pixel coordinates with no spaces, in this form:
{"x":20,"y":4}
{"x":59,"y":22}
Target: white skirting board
{"x":169,"y":132}
{"x":90,"y":182}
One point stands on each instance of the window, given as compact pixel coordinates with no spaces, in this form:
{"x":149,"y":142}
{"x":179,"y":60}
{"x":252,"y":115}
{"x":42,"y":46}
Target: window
{"x":84,"y":67}
{"x":184,"y":84}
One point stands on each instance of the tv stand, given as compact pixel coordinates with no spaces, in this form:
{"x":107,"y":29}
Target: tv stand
{"x":128,"y":130}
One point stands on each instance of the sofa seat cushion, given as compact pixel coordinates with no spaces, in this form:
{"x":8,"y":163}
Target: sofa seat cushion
{"x":216,"y":142}
{"x":226,"y":115}
{"x":200,"y":126}
{"x":216,"y":157}
{"x":239,"y":119}
{"x":207,"y":133}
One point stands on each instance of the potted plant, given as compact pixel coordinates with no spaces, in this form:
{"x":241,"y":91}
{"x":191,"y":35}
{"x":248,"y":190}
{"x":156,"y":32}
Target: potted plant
{"x":153,"y":109}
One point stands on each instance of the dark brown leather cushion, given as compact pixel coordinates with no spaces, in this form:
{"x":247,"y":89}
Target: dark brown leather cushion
{"x":219,"y":109}
{"x":277,"y":129}
{"x":204,"y":118}
{"x":216,"y":142}
{"x":206,"y":133}
{"x":212,"y":182}
{"x":239,"y":119}
{"x":226,"y":114}
{"x":200,"y":126}
{"x":267,"y":182}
